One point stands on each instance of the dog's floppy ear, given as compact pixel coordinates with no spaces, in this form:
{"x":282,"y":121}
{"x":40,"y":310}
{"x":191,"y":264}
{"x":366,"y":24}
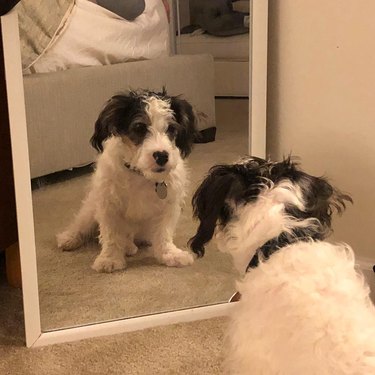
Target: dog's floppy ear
{"x":210,"y":204}
{"x":114,"y":119}
{"x":322,"y":200}
{"x":187,"y":120}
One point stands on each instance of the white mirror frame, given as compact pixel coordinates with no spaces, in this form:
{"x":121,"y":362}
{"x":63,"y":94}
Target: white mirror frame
{"x":17,"y":119}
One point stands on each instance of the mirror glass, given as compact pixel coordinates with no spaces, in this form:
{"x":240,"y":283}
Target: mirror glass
{"x":76,"y":55}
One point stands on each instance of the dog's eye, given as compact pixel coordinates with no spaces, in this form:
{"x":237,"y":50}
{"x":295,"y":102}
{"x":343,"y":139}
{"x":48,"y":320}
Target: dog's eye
{"x":172,"y":131}
{"x":137,"y":132}
{"x":139,"y":128}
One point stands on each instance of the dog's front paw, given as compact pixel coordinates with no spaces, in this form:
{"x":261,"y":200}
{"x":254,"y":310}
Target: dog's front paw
{"x":107,"y":264}
{"x":177,"y":258}
{"x":68,"y":241}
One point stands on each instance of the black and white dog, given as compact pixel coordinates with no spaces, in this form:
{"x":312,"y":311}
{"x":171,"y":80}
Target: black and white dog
{"x":304,"y":309}
{"x":140,"y":180}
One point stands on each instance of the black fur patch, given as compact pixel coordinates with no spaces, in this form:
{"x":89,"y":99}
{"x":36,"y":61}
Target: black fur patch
{"x":116,"y":118}
{"x":187,"y":130}
{"x":124,"y":114}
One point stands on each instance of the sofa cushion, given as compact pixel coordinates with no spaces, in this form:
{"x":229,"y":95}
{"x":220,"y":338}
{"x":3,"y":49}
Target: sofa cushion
{"x":62,"y":107}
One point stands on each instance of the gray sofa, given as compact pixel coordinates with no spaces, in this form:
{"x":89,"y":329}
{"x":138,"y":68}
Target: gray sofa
{"x":62,"y":107}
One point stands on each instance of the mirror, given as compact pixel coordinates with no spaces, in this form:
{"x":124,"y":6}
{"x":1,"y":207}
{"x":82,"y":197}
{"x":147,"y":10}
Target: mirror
{"x":72,"y":66}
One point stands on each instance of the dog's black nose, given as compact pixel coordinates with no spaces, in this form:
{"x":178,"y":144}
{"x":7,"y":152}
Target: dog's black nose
{"x":161,"y":157}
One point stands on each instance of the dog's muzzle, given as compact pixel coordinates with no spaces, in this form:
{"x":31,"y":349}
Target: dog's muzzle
{"x":161,"y":188}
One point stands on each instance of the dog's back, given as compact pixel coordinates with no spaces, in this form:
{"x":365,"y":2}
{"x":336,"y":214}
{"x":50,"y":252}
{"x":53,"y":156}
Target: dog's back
{"x":304,"y":311}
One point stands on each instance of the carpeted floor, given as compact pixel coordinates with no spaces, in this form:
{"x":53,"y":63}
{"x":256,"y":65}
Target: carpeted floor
{"x":193,"y":348}
{"x":71,"y":293}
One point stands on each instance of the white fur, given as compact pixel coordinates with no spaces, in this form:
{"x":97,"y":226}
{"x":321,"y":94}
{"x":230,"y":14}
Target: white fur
{"x":256,"y":223}
{"x":306,"y":310}
{"x":123,"y":204}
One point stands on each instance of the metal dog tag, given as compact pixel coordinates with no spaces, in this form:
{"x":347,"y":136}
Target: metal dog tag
{"x":161,"y":190}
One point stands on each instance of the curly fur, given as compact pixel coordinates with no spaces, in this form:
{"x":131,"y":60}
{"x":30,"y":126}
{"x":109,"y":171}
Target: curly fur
{"x":304,"y":311}
{"x":304,"y":307}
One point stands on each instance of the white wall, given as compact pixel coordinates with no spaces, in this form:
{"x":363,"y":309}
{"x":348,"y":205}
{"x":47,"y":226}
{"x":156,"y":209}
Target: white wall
{"x":322,"y":100}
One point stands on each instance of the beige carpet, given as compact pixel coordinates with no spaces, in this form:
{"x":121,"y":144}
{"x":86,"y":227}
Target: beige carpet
{"x":73,"y":294}
{"x":193,"y":348}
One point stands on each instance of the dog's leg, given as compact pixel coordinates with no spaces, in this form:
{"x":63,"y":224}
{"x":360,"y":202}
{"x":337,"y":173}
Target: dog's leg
{"x":111,"y":257}
{"x":116,"y":239}
{"x":164,"y":250}
{"x":81,"y":229}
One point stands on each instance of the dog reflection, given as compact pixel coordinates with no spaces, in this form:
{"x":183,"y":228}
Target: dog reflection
{"x":140,"y":180}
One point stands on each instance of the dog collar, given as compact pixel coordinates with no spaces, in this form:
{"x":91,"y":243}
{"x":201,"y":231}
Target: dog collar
{"x":161,"y":188}
{"x":276,"y":244}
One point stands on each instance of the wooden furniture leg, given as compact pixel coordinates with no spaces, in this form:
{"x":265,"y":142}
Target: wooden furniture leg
{"x":13,"y":265}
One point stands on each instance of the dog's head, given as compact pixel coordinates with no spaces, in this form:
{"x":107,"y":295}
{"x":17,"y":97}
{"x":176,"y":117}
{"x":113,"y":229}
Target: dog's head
{"x":156,"y":129}
{"x":255,"y":200}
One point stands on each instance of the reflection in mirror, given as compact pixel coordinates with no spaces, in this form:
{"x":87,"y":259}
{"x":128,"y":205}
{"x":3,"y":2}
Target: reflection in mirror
{"x":125,"y":206}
